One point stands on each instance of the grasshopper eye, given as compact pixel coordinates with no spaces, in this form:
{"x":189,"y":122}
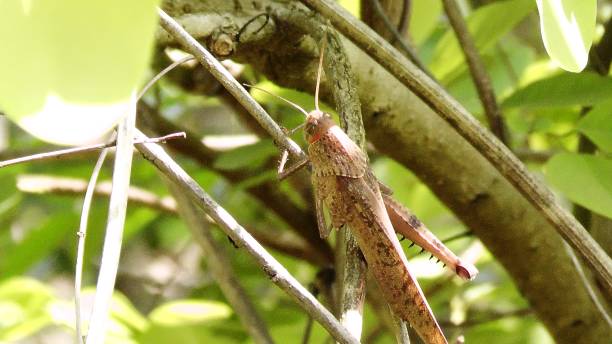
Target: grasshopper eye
{"x":311,"y":127}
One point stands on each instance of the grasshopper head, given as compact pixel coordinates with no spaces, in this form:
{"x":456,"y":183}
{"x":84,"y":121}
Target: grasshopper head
{"x":317,"y":124}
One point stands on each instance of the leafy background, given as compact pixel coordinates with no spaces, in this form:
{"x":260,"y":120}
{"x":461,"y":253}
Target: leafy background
{"x":165,"y":292}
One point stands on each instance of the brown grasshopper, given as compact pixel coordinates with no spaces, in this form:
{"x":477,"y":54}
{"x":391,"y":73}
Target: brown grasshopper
{"x":344,"y":183}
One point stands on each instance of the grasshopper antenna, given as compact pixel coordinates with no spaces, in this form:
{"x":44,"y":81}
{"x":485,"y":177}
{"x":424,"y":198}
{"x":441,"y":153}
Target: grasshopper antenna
{"x":279,"y":97}
{"x":319,"y":71}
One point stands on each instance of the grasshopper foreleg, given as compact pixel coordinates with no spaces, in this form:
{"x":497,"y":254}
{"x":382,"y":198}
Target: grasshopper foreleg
{"x":284,"y":173}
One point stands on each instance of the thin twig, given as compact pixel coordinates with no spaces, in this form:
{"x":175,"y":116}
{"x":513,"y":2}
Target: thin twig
{"x":468,"y":127}
{"x":275,"y":271}
{"x":528,"y":155}
{"x":479,"y":73}
{"x":78,"y":275}
{"x":588,"y":285}
{"x":404,"y":22}
{"x":162,"y":73}
{"x":401,"y":331}
{"x":406,"y":47}
{"x":457,"y":236}
{"x":220,"y":267}
{"x":492,"y":316}
{"x":59,"y":185}
{"x":77,"y":150}
{"x":227,"y":80}
{"x":117,"y":208}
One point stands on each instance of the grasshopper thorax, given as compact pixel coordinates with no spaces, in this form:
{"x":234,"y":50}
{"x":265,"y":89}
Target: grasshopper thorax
{"x":317,"y":124}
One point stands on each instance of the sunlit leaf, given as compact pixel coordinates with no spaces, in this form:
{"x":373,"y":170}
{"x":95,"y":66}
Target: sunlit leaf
{"x":189,"y":311}
{"x":352,"y":6}
{"x":584,"y":179}
{"x":487,"y":25}
{"x":597,"y":126}
{"x":70,"y":68}
{"x":564,"y":89}
{"x":246,"y":157}
{"x":23,"y":304}
{"x":568,"y":27}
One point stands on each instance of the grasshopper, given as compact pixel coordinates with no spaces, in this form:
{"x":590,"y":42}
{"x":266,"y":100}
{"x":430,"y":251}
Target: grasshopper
{"x":344,"y":184}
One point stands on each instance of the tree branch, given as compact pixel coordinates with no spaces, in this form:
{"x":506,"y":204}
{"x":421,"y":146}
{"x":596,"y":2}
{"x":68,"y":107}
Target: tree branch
{"x":477,"y":69}
{"x":45,"y":184}
{"x":275,"y":271}
{"x":227,"y":80}
{"x":406,"y":47}
{"x":220,"y":266}
{"x":58,"y":154}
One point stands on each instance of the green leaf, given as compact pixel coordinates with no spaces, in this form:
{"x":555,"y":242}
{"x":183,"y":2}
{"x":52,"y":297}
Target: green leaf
{"x":584,"y":179}
{"x":424,"y":17}
{"x":461,"y":85}
{"x":125,"y":321}
{"x":38,"y":244}
{"x":249,"y":156}
{"x":189,"y":312}
{"x":565,"y":89}
{"x":568,"y":27}
{"x":71,"y":67}
{"x":125,"y":314}
{"x":487,"y":25}
{"x":23,"y":308}
{"x":597,"y":126}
